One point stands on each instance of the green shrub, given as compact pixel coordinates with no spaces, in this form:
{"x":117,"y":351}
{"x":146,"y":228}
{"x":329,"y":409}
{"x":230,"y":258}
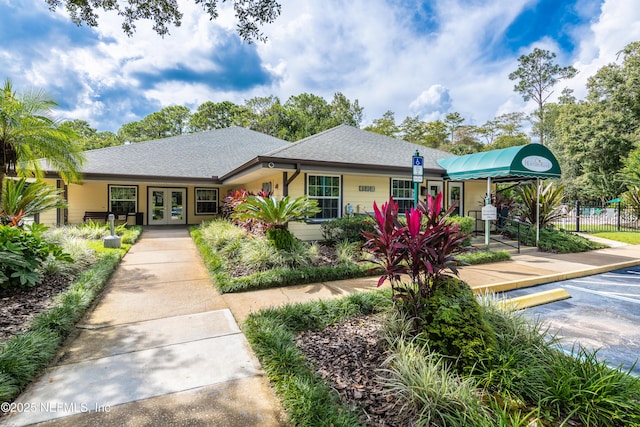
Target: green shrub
{"x":454,"y":325}
{"x":347,"y":229}
{"x":580,"y":387}
{"x":483,"y":257}
{"x":281,"y":238}
{"x":467,"y":226}
{"x":25,"y":255}
{"x":560,"y":241}
{"x":514,"y":372}
{"x":287,"y":277}
{"x":428,"y":391}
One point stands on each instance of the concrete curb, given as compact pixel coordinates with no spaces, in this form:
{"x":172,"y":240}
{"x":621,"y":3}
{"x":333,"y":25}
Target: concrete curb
{"x":557,"y":277}
{"x":539,"y":298}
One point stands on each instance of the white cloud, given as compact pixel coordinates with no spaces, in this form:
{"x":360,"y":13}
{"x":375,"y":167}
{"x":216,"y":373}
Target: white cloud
{"x":370,"y":50}
{"x":436,"y":100}
{"x":617,"y":25}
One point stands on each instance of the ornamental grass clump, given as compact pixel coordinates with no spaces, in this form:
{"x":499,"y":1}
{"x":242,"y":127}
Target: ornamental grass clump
{"x":419,"y":260}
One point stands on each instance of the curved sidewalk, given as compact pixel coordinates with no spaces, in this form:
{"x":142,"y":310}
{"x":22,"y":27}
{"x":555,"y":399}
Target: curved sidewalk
{"x":526,"y":269}
{"x":160,"y":348}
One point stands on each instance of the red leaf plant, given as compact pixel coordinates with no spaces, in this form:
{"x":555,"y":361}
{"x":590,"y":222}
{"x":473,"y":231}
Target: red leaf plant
{"x":424,"y":249}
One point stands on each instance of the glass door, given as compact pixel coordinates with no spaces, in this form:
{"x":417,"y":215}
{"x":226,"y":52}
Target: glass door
{"x":455,"y":195}
{"x":166,"y":206}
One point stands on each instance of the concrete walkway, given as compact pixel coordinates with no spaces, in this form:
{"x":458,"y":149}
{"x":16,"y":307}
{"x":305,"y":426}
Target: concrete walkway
{"x":161,"y":348}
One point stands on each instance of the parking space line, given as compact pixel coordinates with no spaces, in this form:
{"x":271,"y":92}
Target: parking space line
{"x":604,"y":294}
{"x":621,"y":275}
{"x":595,"y":282}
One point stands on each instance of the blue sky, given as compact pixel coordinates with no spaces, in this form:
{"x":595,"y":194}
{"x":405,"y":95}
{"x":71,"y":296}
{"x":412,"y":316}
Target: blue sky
{"x":425,"y":58}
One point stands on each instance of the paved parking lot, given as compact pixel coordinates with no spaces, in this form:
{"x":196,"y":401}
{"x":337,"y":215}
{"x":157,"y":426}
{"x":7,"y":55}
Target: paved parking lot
{"x":602,"y":313}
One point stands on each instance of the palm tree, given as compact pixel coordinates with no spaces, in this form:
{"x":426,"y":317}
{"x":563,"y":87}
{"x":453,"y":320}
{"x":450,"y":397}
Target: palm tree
{"x":29,"y":134}
{"x":275,"y":214}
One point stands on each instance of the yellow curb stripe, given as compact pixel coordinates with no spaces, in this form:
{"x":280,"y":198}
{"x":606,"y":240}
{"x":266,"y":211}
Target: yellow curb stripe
{"x":549,"y":278}
{"x":532,"y":300}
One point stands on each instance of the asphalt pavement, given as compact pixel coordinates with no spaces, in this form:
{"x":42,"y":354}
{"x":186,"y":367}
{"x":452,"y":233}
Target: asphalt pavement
{"x":602,"y":314}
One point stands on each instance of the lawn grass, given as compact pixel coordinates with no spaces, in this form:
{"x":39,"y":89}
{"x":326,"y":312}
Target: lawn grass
{"x":630,"y":237}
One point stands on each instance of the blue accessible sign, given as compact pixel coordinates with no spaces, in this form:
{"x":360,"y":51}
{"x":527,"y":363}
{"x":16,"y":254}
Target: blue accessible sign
{"x":418,"y":168}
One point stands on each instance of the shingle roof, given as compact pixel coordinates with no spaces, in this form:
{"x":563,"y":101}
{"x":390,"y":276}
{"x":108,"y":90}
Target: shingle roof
{"x":347,"y":144}
{"x":223,"y":152}
{"x":198,"y":155}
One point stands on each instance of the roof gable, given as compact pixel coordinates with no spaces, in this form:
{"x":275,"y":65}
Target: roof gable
{"x":197,"y":155}
{"x":347,"y":144}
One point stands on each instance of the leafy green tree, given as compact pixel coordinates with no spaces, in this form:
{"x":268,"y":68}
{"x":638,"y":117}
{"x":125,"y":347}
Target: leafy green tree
{"x":385,"y":125}
{"x":594,"y":138}
{"x":169,"y":121}
{"x":28,"y":133}
{"x":212,"y":115}
{"x":630,"y":173}
{"x":305,"y":115}
{"x":453,"y":121}
{"x":435,"y":134}
{"x":536,"y":76}
{"x":266,"y":114}
{"x":412,"y":129}
{"x":90,"y":138}
{"x":345,"y":112}
{"x":510,"y":132}
{"x":164,"y":13}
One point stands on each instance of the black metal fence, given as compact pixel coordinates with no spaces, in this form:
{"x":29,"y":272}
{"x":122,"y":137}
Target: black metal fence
{"x":586,"y":217}
{"x":590,"y":217}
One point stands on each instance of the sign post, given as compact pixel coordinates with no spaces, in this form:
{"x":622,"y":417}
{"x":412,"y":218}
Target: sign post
{"x":418,"y":175}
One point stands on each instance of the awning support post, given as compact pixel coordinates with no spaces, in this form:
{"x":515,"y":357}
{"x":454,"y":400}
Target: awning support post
{"x":537,"y":211}
{"x":487,"y":223}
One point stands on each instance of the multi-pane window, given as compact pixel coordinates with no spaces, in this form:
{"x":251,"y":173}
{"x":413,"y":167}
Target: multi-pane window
{"x":206,"y":201}
{"x":123,"y":199}
{"x":402,"y":192}
{"x":326,"y":191}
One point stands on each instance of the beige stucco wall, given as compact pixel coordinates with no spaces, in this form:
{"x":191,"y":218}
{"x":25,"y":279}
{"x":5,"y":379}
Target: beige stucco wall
{"x":94,"y":196}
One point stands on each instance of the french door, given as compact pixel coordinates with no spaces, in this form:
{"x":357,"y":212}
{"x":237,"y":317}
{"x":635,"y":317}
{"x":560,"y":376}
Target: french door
{"x":167,"y":206}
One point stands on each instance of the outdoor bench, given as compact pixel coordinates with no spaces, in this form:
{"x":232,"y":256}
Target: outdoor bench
{"x":91,"y":216}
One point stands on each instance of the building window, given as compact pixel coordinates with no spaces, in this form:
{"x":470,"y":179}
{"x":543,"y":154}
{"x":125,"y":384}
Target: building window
{"x":206,"y":201}
{"x":402,"y":193}
{"x":123,"y":199}
{"x":326,"y":191}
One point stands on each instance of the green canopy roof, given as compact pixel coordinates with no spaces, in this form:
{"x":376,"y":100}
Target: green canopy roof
{"x":509,"y":164}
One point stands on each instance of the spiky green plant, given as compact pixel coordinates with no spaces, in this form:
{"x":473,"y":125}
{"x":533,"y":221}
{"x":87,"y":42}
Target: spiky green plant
{"x":275,"y":214}
{"x":30,"y":198}
{"x":550,"y":200}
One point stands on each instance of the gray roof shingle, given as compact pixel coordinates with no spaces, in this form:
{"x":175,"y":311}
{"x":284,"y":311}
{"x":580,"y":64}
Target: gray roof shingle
{"x":198,"y":155}
{"x":223,"y":152}
{"x":347,"y":144}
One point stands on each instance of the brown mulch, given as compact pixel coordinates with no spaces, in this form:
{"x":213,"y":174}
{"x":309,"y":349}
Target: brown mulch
{"x":19,"y":305}
{"x":349,"y":356}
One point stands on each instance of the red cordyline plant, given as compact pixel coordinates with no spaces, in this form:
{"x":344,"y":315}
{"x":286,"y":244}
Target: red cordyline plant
{"x":424,"y":249}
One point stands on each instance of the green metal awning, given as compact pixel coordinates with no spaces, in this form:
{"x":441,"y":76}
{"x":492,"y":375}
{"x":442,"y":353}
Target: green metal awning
{"x":508,"y":164}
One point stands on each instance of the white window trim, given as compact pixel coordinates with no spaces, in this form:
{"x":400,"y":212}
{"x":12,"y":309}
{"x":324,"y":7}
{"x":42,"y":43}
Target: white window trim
{"x":411,"y":199}
{"x":135,"y":200}
{"x":217,"y":200}
{"x":338,"y":197}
